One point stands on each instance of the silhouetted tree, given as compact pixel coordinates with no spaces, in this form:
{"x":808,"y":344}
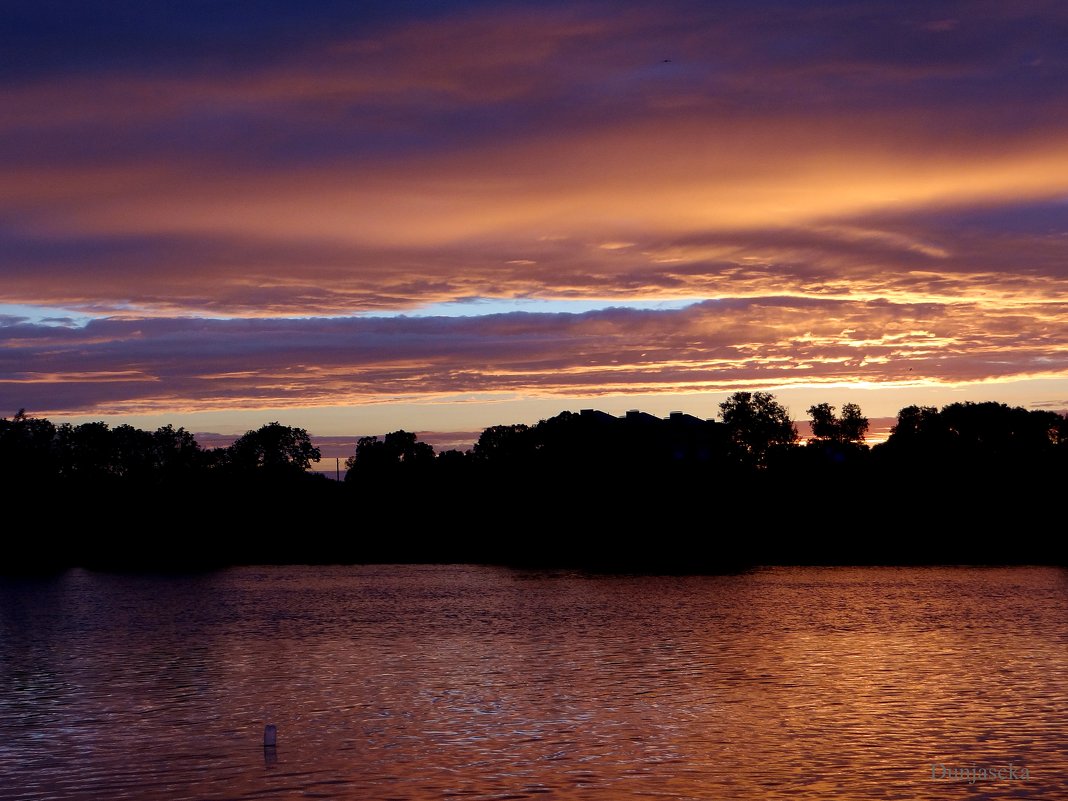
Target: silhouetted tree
{"x":27,"y":451}
{"x":452,"y":459}
{"x":978,"y":440}
{"x":274,"y":449}
{"x":852,"y":426}
{"x":175,"y":452}
{"x":370,"y":455}
{"x":396,"y":448}
{"x":504,"y":444}
{"x":825,"y":424}
{"x":37,"y":450}
{"x":757,"y":423}
{"x":408,"y":449}
{"x":87,"y":452}
{"x":216,"y":460}
{"x":1055,"y":425}
{"x":915,"y":422}
{"x":134,"y":453}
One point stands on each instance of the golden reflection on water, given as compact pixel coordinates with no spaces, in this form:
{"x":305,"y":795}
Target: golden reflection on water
{"x":397,"y":682}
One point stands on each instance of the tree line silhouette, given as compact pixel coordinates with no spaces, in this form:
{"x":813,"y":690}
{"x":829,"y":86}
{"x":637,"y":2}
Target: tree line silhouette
{"x":585,"y":489}
{"x":36,"y":450}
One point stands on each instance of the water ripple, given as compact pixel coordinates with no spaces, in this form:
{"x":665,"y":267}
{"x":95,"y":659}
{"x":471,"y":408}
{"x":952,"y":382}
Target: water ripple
{"x":462,"y":682}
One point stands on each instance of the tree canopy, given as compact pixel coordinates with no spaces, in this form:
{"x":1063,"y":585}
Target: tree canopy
{"x":395,"y":449}
{"x":274,"y":448}
{"x":852,"y":426}
{"x":757,"y":423}
{"x":970,"y":433}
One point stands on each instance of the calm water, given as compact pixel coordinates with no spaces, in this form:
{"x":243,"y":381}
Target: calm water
{"x":402,"y":682}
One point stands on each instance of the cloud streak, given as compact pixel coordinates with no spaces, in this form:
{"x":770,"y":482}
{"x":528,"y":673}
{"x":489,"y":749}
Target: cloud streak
{"x":137,"y":366}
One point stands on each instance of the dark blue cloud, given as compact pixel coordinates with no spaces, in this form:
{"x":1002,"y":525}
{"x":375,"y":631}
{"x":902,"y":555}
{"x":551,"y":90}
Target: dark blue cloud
{"x":50,"y":37}
{"x":985,"y":67}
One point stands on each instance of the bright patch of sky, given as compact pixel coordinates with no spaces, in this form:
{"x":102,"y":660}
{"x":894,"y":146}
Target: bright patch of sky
{"x":44,"y":315}
{"x":475,"y":307}
{"x":465,"y":307}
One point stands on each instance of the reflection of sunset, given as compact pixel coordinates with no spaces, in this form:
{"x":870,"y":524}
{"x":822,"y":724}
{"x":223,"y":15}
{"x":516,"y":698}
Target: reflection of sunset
{"x":436,"y":681}
{"x":844,"y":190}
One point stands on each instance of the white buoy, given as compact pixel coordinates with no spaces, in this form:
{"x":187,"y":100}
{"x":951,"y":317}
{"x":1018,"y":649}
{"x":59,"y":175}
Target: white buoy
{"x":270,"y":736}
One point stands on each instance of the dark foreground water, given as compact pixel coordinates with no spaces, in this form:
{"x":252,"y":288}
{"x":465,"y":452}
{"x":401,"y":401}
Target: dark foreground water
{"x":428,"y":682}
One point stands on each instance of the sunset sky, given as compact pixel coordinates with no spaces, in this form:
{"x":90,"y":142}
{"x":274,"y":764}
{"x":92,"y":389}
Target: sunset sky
{"x":357,"y":217}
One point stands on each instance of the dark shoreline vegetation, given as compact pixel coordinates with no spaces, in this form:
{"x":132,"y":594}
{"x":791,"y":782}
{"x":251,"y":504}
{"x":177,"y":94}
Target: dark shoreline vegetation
{"x":972,"y":483}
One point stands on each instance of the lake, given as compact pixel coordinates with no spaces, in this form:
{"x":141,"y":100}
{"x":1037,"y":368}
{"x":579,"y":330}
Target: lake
{"x":472,"y":682}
